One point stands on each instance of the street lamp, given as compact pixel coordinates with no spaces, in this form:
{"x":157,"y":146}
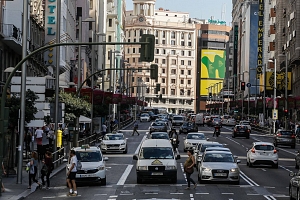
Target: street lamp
{"x":285,"y":89}
{"x":243,"y":94}
{"x":274,"y":95}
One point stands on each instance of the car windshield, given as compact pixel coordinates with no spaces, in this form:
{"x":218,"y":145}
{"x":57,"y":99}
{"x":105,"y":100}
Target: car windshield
{"x":188,"y":124}
{"x":218,"y":157}
{"x":144,"y":115}
{"x":241,"y":128}
{"x":114,"y":137}
{"x":89,"y":156}
{"x":286,"y":132}
{"x":157,"y":124}
{"x":177,"y":118}
{"x":204,"y":146}
{"x":216,"y":119}
{"x":245,"y":123}
{"x":156,"y":153}
{"x":195,"y":137}
{"x":217,"y":149}
{"x":264,"y":147}
{"x":159,"y":136}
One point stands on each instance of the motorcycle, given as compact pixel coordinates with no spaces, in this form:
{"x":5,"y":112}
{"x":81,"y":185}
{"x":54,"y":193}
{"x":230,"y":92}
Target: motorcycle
{"x":217,"y":131}
{"x":174,"y":142}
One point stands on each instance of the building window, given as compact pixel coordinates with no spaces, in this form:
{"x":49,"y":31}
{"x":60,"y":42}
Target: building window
{"x":190,"y":44}
{"x":163,"y":90}
{"x":147,"y":79}
{"x":173,"y":34}
{"x":173,"y":80}
{"x":173,"y":52}
{"x":182,"y":81}
{"x":189,"y":82}
{"x":182,"y":35}
{"x":147,"y":90}
{"x":189,"y":72}
{"x":134,"y":33}
{"x":156,"y":41}
{"x":172,"y":91}
{"x":109,"y":38}
{"x":182,"y":53}
{"x":129,"y":33}
{"x":189,"y":63}
{"x":132,"y":79}
{"x":164,"y":51}
{"x":157,"y":51}
{"x":163,"y":61}
{"x":141,"y":32}
{"x":156,"y":60}
{"x":173,"y":42}
{"x":140,"y":69}
{"x":173,"y":71}
{"x":190,"y":53}
{"x":189,"y":36}
{"x":182,"y":43}
{"x":109,"y":22}
{"x":181,"y":91}
{"x":163,"y":80}
{"x":128,"y":40}
{"x":163,"y":71}
{"x":156,"y":33}
{"x":189,"y":92}
{"x":133,"y":60}
{"x":164,"y":34}
{"x":133,"y":50}
{"x":163,"y":41}
{"x":182,"y":62}
{"x":182,"y":72}
{"x":134,"y":40}
{"x":132,"y":90}
{"x":128,"y":50}
{"x":173,"y":61}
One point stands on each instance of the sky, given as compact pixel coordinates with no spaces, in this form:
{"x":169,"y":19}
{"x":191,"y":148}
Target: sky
{"x":202,"y":9}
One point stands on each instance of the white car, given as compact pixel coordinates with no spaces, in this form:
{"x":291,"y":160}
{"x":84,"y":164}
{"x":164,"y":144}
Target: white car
{"x":114,"y":142}
{"x":192,"y":140}
{"x":145,"y":117}
{"x":93,"y":165}
{"x":231,"y":122}
{"x":246,"y":123}
{"x":262,"y":153}
{"x":219,"y":166}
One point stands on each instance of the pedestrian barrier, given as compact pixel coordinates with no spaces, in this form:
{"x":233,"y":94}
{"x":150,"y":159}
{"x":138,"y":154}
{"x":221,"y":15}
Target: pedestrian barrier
{"x":60,"y":154}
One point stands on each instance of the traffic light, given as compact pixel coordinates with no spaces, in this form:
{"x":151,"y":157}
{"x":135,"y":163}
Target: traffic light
{"x":157,"y":87}
{"x":147,"y":50}
{"x":243,"y":85}
{"x":154,"y":71}
{"x":286,"y":112}
{"x":210,"y":95}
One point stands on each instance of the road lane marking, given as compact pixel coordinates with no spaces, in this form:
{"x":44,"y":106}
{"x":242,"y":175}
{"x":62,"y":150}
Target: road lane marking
{"x":285,"y":168}
{"x":151,"y":193}
{"x":247,"y":179}
{"x":278,"y":148}
{"x":125,"y":175}
{"x":227,"y":193}
{"x":138,"y":148}
{"x":269,"y":197}
{"x":201,"y":193}
{"x":100,"y":195}
{"x":176,"y":193}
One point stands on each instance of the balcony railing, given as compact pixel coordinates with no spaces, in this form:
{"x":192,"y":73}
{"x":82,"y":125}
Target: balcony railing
{"x":11,"y":31}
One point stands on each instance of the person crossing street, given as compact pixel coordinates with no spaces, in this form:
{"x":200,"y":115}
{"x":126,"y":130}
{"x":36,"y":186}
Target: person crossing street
{"x":135,"y":127}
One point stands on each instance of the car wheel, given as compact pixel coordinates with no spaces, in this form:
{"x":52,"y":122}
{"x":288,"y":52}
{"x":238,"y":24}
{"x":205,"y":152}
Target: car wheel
{"x":275,"y":166}
{"x":293,"y":146}
{"x":125,"y":152}
{"x":250,"y":164}
{"x":103,"y":181}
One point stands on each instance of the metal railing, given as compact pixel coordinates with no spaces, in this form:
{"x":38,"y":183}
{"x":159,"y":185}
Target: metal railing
{"x":61,"y":154}
{"x":11,"y":31}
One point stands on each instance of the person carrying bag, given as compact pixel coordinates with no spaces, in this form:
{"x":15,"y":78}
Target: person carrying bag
{"x":47,"y":169}
{"x":189,"y":169}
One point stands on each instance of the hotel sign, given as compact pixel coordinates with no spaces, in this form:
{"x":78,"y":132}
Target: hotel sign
{"x":217,"y":22}
{"x":260,"y":38}
{"x":50,"y":32}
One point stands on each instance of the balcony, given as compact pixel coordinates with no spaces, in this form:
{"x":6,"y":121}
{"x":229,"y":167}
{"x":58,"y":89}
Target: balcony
{"x":181,"y":76}
{"x":271,"y":46}
{"x":189,"y":67}
{"x":181,"y":66}
{"x":272,"y":29}
{"x":272,"y":12}
{"x":12,"y":37}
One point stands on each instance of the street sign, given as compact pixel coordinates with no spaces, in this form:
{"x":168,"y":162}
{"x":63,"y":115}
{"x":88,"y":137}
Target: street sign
{"x":248,"y":85}
{"x":275,"y":114}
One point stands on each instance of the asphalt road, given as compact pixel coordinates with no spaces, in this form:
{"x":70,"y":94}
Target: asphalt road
{"x":256,"y":183}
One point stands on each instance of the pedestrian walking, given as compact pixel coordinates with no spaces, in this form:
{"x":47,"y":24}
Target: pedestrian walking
{"x":104,"y":129}
{"x":71,"y":175}
{"x":33,"y":163}
{"x":135,"y":127}
{"x":4,"y":172}
{"x":39,"y":141}
{"x":47,"y":169}
{"x":50,"y":136}
{"x":189,"y":169}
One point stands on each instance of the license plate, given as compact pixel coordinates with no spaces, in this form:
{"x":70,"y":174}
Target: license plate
{"x":157,"y":173}
{"x":85,"y":175}
{"x":220,"y":174}
{"x":285,"y":140}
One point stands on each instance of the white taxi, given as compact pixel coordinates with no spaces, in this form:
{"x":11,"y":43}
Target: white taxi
{"x":93,"y":165}
{"x":114,"y":142}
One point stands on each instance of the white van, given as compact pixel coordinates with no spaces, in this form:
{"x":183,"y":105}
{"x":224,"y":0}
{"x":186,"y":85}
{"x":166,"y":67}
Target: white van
{"x":156,"y":161}
{"x":199,"y":120}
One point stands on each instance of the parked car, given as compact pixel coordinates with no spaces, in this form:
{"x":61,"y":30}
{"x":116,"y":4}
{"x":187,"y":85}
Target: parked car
{"x":158,"y":127}
{"x":241,"y":131}
{"x":262,"y":153}
{"x":144,"y":117}
{"x":283,"y":137}
{"x":188,"y":127}
{"x":219,"y":166}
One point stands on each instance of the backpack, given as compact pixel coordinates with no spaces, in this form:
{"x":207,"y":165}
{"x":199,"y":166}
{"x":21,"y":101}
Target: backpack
{"x":79,"y":165}
{"x":44,"y":169}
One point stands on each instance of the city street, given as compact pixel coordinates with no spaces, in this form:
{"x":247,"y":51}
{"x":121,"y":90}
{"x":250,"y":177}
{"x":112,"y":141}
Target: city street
{"x":256,"y":183}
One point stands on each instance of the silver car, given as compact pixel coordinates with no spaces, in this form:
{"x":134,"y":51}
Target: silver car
{"x":219,"y":166}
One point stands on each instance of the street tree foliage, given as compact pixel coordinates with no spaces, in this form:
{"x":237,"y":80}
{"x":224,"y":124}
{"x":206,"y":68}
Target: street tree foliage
{"x":14,"y":104}
{"x":74,"y":106}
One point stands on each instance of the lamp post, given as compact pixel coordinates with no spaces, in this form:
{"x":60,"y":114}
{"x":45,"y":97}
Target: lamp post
{"x":274,"y":95}
{"x":285,"y":89}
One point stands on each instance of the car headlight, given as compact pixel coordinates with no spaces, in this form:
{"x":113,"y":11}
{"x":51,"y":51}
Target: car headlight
{"x":170,"y":167}
{"x":123,"y":143}
{"x":142,"y":168}
{"x":234,"y":170}
{"x":101,"y":167}
{"x":188,"y":143}
{"x":206,"y":169}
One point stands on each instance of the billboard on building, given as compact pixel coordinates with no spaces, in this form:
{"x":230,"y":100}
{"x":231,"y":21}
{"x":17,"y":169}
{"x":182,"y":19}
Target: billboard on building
{"x":280,"y":81}
{"x":212,"y":70}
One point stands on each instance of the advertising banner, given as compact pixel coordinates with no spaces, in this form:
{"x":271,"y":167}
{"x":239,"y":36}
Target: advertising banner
{"x":213,"y":64}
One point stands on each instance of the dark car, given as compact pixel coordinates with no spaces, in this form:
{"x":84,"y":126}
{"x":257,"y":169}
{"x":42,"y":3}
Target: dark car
{"x":158,"y":127}
{"x":159,"y":135}
{"x":241,"y":131}
{"x":285,"y":137}
{"x":188,"y":127}
{"x":152,"y":115}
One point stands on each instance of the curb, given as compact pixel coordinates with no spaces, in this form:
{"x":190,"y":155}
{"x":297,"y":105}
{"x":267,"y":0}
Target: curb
{"x":26,"y":193}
